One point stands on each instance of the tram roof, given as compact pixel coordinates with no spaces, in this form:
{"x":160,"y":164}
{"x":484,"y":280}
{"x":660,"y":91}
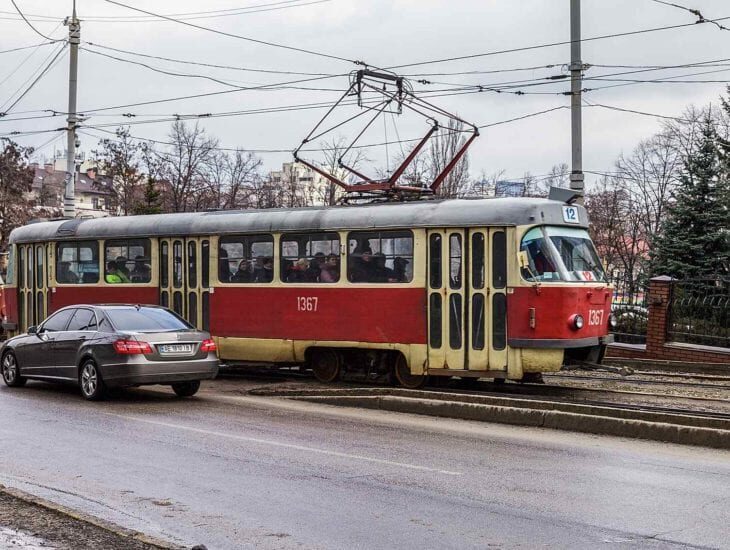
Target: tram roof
{"x":433,"y":213}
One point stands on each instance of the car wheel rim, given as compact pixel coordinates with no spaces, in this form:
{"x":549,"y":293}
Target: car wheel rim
{"x":89,"y":380}
{"x":9,"y":369}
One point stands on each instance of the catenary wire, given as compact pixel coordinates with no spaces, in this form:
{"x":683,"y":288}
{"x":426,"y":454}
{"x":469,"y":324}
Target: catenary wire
{"x":238,"y":36}
{"x":34,"y":82}
{"x":29,"y":23}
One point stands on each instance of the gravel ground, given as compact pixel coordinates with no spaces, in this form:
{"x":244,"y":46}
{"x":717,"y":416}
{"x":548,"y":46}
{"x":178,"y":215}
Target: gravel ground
{"x":29,"y":526}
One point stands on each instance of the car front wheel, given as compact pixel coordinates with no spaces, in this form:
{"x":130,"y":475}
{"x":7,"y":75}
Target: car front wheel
{"x":90,"y":382}
{"x":186,"y":389}
{"x":11,"y":371}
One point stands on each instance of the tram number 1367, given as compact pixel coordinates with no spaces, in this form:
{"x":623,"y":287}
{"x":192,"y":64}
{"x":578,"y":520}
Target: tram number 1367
{"x":307,"y":303}
{"x":595,"y":317}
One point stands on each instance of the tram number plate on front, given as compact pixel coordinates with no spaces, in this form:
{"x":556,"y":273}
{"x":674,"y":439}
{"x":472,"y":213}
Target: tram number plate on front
{"x":570,"y":214}
{"x":175,"y":349}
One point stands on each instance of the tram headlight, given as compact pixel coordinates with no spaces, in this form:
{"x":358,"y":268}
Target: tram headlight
{"x":612,"y":321}
{"x":576,"y":322}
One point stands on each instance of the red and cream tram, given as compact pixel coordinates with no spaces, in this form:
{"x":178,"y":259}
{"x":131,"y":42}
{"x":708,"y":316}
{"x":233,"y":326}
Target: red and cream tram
{"x":499,"y":288}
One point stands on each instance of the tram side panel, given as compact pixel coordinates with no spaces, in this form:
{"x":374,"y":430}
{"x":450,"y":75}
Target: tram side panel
{"x":259,"y":323}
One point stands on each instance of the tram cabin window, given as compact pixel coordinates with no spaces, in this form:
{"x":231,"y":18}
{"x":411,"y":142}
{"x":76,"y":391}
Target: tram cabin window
{"x":77,"y":263}
{"x":246,"y":259}
{"x":310,"y":258}
{"x":380,"y":257}
{"x":127,"y":261}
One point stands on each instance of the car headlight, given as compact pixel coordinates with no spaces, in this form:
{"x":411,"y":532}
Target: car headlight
{"x":576,"y":322}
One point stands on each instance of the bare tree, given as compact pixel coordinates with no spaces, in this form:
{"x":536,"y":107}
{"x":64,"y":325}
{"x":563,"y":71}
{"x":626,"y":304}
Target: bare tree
{"x":185,"y":165}
{"x":329,"y":193}
{"x":444,"y":147}
{"x":121,"y":160}
{"x":244,"y":174}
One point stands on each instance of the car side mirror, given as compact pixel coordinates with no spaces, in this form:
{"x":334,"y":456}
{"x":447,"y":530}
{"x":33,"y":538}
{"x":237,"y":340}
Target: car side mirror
{"x":33,"y":330}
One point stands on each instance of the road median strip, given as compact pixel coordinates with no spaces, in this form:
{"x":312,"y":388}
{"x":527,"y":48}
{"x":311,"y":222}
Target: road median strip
{"x":706,"y":431}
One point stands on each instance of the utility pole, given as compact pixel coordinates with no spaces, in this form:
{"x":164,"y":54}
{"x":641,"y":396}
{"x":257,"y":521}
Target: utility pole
{"x":74,"y":37}
{"x":576,"y":85}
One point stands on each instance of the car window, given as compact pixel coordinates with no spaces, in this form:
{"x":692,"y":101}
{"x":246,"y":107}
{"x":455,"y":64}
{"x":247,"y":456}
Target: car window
{"x":57,"y":321}
{"x":83,"y":319}
{"x":145,"y":319}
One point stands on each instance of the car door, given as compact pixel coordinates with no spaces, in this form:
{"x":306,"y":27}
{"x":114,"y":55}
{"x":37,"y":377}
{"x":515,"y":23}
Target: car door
{"x":81,"y":328}
{"x":37,"y":359}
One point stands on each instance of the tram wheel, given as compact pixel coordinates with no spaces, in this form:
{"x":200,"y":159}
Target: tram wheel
{"x":404,"y":376}
{"x":326,"y":364}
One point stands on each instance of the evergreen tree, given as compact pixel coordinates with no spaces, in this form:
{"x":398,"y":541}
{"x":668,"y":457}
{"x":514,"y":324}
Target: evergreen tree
{"x":16,"y":178}
{"x":151,"y":199}
{"x":694,"y":240}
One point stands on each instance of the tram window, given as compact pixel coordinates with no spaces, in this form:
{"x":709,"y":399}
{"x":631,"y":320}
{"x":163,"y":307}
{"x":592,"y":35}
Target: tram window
{"x":499,"y":260}
{"x":455,"y":321}
{"x":380,"y":257}
{"x":205,"y":264}
{"x":434,"y":260}
{"x":21,"y":267}
{"x":499,"y":321}
{"x":77,"y":262}
{"x":192,"y":265}
{"x":164,"y":268}
{"x":10,"y":271}
{"x":434,"y":329}
{"x":246,"y":259}
{"x":177,"y":302}
{"x":29,"y":264}
{"x":131,"y":258}
{"x":39,"y":266}
{"x":455,"y":261}
{"x":177,"y":264}
{"x":193,"y":308}
{"x":310,"y":258}
{"x":206,"y":310}
{"x":477,"y":260}
{"x":477,"y":323}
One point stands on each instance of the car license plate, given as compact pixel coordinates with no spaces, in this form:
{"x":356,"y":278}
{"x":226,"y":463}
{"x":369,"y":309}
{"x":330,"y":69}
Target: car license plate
{"x":175,"y":349}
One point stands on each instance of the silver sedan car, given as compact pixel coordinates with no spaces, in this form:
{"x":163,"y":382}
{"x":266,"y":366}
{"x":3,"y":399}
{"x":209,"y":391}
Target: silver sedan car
{"x":107,"y":346}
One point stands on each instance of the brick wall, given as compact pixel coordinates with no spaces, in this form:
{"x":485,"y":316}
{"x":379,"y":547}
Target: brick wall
{"x":657,"y":347}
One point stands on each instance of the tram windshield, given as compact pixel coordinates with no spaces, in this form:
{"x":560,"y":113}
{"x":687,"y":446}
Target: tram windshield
{"x":561,"y":254}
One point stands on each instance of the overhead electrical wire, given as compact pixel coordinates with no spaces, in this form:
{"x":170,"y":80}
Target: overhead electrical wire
{"x":212,"y":14}
{"x":210,"y":65}
{"x":635,"y":112}
{"x":29,"y":47}
{"x":200,"y":76}
{"x":33,"y":83}
{"x":238,"y":36}
{"x":546,"y":45}
{"x":31,"y":24}
{"x":700,"y":18}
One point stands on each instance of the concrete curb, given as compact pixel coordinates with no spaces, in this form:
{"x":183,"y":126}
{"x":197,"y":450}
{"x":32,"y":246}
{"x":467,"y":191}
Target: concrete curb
{"x":108,"y":526}
{"x":544,"y":418}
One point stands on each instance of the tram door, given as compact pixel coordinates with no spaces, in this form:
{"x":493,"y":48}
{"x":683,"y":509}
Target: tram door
{"x":467,"y":282}
{"x":32,"y":285}
{"x":185,"y":278}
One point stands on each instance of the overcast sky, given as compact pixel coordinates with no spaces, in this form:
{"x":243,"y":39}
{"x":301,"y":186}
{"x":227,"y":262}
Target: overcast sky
{"x":383,"y":33}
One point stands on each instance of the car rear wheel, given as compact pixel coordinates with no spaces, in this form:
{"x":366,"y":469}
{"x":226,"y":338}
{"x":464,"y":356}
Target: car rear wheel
{"x":90,"y":382}
{"x":11,"y":371}
{"x":186,"y":389}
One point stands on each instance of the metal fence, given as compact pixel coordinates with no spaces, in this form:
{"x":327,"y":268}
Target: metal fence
{"x":630,"y":307}
{"x":700,"y":312}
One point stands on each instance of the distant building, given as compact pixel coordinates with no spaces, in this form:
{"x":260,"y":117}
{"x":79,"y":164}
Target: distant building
{"x":93,"y":197}
{"x":310,"y":187}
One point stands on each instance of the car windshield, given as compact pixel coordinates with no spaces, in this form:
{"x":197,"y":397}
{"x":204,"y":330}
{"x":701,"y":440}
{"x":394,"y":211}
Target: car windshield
{"x":145,"y":319}
{"x":560,"y":254}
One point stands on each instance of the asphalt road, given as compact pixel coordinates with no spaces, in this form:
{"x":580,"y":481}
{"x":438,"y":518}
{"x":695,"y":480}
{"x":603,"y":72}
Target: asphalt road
{"x":245,"y":472}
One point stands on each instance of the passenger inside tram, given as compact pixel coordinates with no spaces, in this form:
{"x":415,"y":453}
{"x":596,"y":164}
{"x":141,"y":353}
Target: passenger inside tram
{"x":64,"y":274}
{"x":142,"y":273}
{"x":242,"y":274}
{"x":112,"y":274}
{"x":224,"y":270}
